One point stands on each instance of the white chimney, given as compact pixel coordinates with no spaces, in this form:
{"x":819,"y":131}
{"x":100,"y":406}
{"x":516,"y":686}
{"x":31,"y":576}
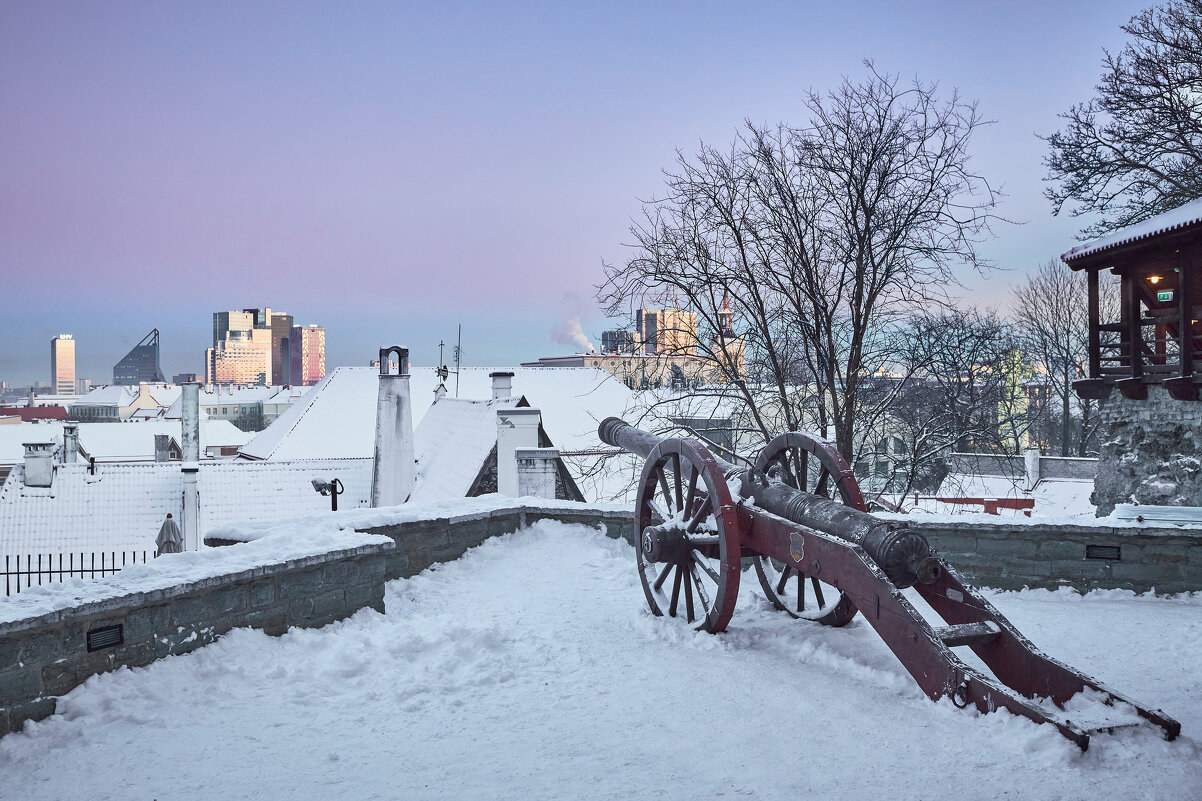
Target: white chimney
{"x":440,"y":391}
{"x":39,"y":464}
{"x":189,"y":518}
{"x":1031,"y":458}
{"x":502,"y":385}
{"x":516,"y":428}
{"x":537,"y":470}
{"x":70,"y":444}
{"x":190,"y":422}
{"x":393,"y":472}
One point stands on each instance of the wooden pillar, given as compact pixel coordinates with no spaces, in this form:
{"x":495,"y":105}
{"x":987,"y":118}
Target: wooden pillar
{"x":1134,"y":337}
{"x":1095,"y":337}
{"x":1185,"y":308}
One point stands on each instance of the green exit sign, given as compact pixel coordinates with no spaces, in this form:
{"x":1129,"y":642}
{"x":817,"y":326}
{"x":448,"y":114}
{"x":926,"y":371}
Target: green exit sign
{"x":1165,"y":295}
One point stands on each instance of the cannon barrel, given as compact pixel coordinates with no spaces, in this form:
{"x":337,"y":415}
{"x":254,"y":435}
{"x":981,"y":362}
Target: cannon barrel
{"x":903,"y":554}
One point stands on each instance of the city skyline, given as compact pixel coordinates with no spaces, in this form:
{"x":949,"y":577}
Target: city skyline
{"x":396,"y":171}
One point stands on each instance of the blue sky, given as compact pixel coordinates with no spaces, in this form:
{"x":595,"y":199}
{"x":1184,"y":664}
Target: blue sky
{"x":390,"y":170}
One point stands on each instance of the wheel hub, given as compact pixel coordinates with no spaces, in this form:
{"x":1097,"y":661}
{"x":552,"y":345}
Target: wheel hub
{"x":664,"y":544}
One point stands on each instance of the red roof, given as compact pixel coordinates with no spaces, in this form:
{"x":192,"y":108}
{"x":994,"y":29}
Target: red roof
{"x":30,"y":413}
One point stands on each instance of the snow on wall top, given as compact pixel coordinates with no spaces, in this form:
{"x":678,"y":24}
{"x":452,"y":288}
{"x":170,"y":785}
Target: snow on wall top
{"x":121,"y":506}
{"x":451,"y":444}
{"x":336,"y":420}
{"x":1179,"y":217}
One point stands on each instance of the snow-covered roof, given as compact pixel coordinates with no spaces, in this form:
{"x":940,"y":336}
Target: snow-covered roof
{"x":1180,"y":217}
{"x":121,"y":506}
{"x":451,"y":444}
{"x":132,"y":440}
{"x":336,"y":420}
{"x":113,"y":395}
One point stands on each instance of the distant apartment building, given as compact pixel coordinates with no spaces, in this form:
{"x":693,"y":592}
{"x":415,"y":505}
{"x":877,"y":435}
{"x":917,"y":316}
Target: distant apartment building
{"x":186,"y":378}
{"x":239,"y":340}
{"x":141,"y":364}
{"x":62,"y":365}
{"x":83,"y":386}
{"x":666,"y":331}
{"x":307,"y":347}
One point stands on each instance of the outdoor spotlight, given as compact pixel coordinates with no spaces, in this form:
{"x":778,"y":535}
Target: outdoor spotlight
{"x":1153,"y":279}
{"x":333,"y":488}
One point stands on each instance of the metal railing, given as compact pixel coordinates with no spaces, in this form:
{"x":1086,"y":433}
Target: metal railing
{"x":41,"y":568}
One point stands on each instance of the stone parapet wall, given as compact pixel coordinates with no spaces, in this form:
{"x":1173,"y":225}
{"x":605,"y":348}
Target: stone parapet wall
{"x":47,"y":656}
{"x":421,"y":543}
{"x":43,"y":656}
{"x":1016,"y":555}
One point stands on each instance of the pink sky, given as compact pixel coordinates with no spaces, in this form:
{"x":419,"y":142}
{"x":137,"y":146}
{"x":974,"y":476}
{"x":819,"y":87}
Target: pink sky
{"x":390,"y":170}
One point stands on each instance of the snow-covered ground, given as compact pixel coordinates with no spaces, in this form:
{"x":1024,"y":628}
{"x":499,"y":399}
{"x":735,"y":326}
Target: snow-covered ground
{"x":530,"y":669}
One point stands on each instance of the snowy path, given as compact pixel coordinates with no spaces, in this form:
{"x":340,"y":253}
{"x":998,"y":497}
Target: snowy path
{"x":529,"y":669}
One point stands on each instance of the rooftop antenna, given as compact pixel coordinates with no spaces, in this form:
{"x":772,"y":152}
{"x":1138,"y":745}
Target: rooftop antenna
{"x":458,"y":353}
{"x":442,"y":370}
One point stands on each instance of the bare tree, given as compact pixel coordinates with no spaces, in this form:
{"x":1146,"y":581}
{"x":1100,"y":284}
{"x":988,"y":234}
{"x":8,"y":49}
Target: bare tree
{"x":966,"y":393}
{"x":824,"y":238}
{"x":1051,"y":312}
{"x":1135,"y":150}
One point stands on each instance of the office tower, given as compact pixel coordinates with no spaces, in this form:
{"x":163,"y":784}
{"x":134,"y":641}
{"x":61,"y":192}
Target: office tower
{"x":277,"y":323}
{"x":62,"y":365}
{"x":141,"y":364}
{"x":307,"y":346}
{"x":241,"y":357}
{"x":617,"y":342}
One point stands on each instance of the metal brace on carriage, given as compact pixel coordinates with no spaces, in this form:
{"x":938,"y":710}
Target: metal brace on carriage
{"x":798,"y":514}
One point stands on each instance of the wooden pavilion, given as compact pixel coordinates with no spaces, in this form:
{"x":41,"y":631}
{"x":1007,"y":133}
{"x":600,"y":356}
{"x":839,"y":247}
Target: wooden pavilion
{"x":1157,"y":338}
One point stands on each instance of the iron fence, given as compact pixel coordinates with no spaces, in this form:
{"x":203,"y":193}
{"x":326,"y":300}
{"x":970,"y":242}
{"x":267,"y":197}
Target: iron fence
{"x":41,"y":568}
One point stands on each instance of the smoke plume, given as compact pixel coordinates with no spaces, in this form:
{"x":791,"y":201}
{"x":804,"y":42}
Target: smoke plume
{"x":569,"y":332}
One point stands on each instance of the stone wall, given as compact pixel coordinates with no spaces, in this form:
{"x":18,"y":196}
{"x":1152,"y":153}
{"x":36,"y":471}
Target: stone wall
{"x":1016,"y":555}
{"x":46,"y":656}
{"x":421,"y":543}
{"x":1150,"y":452}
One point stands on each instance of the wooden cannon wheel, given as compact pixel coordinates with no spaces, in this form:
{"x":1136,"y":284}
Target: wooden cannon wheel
{"x":809,"y":463}
{"x":688,"y":549}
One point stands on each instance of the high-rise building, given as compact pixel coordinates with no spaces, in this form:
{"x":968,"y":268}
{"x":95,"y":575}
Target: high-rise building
{"x":62,"y":365}
{"x":307,"y":346}
{"x":617,"y":342}
{"x":277,"y":323}
{"x":240,"y":357}
{"x":140,"y":365}
{"x":666,"y":331}
{"x":281,"y":328}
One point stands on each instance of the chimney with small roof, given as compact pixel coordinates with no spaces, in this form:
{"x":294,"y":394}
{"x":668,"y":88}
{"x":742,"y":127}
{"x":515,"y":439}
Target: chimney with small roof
{"x":394,"y":470}
{"x":502,"y":385}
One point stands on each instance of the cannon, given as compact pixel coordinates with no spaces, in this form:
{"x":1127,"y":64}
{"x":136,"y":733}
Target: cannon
{"x":798,"y":516}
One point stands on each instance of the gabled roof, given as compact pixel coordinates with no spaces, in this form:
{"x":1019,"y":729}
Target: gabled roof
{"x":1177,"y":219}
{"x":451,"y":445}
{"x":336,"y":419}
{"x":115,"y":440}
{"x":121,"y":506}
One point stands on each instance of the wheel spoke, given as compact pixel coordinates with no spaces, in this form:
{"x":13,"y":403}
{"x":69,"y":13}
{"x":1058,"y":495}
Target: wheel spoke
{"x":801,"y":592}
{"x":699,"y":560}
{"x":676,"y":482}
{"x":675,"y":592}
{"x":688,"y":600}
{"x":659,"y":510}
{"x":784,"y":577}
{"x":692,"y":496}
{"x":663,"y":574}
{"x":701,"y":594}
{"x":818,"y":591}
{"x":702,"y":512}
{"x":663,"y":485}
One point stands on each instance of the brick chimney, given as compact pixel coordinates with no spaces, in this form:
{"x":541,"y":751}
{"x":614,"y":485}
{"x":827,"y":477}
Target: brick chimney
{"x":394,"y":471}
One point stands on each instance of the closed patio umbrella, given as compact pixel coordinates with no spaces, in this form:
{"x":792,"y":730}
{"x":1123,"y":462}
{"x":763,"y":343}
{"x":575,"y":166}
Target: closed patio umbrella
{"x":170,"y":540}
